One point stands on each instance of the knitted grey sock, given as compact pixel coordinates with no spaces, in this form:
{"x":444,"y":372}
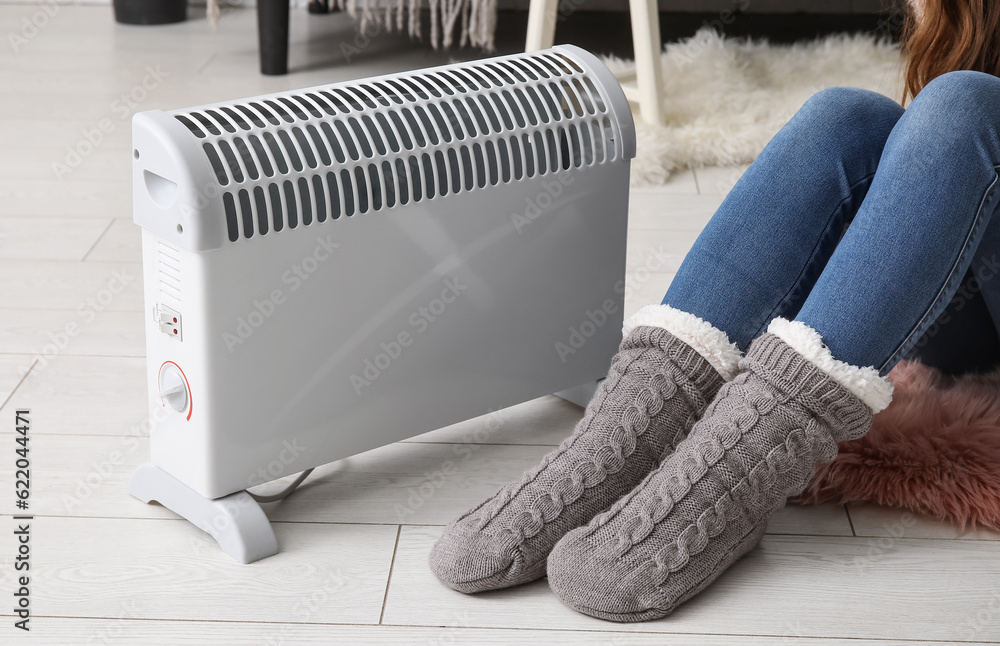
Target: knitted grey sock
{"x":709,"y":501}
{"x":655,"y":390}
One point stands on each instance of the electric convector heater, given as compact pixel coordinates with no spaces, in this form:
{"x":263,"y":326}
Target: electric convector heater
{"x":337,"y":268}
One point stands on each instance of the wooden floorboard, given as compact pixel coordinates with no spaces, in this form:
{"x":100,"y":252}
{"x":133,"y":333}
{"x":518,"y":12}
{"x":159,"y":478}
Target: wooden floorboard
{"x":789,"y":587}
{"x":126,"y":631}
{"x":168,"y":569}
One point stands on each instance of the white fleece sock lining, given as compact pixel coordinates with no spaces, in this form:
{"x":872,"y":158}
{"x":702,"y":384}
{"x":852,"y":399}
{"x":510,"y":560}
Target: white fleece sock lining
{"x":865,"y":383}
{"x":709,"y":341}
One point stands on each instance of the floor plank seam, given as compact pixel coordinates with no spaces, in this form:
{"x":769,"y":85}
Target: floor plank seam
{"x":510,"y":628}
{"x":131,"y":311}
{"x":850,"y":520}
{"x":18,"y":385}
{"x":99,"y":238}
{"x":388,"y":581}
{"x":390,"y":524}
{"x":201,"y":68}
{"x":82,"y":356}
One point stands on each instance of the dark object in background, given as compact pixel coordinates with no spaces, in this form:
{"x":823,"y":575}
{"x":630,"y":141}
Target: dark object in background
{"x":272,"y":34}
{"x":150,"y":12}
{"x":322,"y":6}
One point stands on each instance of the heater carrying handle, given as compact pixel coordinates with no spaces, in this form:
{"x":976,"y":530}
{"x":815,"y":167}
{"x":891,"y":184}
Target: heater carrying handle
{"x":235,"y":521}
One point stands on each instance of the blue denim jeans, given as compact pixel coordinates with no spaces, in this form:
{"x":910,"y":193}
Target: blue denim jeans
{"x":865,"y":221}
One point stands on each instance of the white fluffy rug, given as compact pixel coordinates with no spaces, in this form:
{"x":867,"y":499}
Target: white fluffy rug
{"x":726,"y":98}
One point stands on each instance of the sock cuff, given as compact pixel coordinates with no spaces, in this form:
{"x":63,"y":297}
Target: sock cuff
{"x":707,"y":340}
{"x":865,"y":383}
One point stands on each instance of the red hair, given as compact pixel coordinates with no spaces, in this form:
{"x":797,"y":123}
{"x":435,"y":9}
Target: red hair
{"x":947,"y":35}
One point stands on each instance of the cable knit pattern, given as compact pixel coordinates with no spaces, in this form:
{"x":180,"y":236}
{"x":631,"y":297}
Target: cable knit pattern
{"x":709,"y":501}
{"x":656,"y":389}
{"x":590,"y":470}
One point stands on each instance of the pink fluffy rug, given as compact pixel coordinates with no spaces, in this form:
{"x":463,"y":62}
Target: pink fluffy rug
{"x":934,"y":451}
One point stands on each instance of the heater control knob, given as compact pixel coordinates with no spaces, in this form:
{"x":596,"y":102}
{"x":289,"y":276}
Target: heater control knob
{"x":173,"y":387}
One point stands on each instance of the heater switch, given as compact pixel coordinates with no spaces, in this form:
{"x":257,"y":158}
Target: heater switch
{"x":169,"y":321}
{"x":173,"y":387}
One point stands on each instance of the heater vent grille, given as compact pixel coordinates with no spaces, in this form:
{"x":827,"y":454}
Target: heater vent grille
{"x":169,"y":264}
{"x":295,"y":159}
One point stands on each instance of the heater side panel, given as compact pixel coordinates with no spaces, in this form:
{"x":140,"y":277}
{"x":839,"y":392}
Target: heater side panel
{"x":332,"y":339}
{"x":178,"y":378}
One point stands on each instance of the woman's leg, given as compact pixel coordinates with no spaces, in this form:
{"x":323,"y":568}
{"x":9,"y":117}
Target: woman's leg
{"x":766,"y":246}
{"x":917,"y":231}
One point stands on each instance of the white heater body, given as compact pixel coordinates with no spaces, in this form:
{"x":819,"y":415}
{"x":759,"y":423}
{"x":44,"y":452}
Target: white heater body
{"x":338,"y":268}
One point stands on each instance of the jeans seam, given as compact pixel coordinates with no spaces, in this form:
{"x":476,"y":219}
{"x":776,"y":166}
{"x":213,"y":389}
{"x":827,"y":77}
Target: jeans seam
{"x":812,"y":256}
{"x":977,"y":224}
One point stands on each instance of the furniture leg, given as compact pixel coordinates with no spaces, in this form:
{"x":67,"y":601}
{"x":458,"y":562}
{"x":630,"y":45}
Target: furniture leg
{"x":542,"y":16}
{"x":272,"y":30}
{"x":648,"y":72}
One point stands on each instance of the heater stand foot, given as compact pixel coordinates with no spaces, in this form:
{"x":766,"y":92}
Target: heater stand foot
{"x":235,"y":521}
{"x":580,"y":395}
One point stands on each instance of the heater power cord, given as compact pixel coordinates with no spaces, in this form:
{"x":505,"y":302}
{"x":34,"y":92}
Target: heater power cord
{"x":284,"y":493}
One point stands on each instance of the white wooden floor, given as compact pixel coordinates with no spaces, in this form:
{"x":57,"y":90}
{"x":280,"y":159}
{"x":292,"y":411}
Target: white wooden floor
{"x":108,"y":569}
